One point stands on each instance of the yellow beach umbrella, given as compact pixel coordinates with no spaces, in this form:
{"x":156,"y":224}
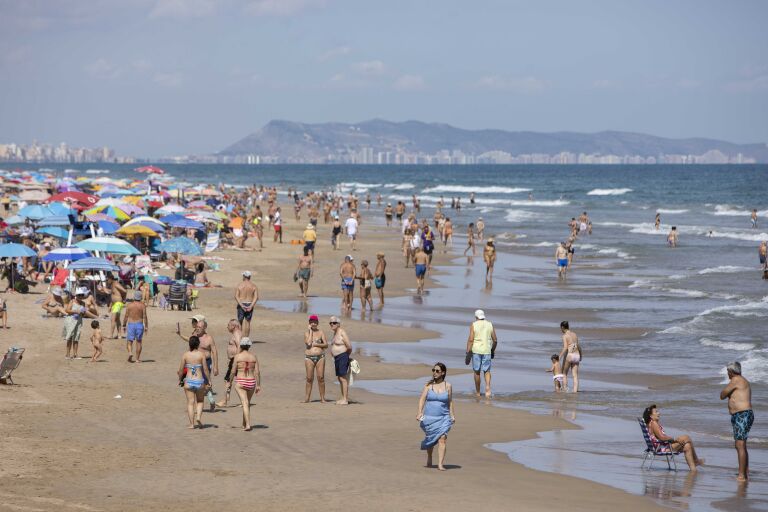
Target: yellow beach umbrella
{"x":136,"y":229}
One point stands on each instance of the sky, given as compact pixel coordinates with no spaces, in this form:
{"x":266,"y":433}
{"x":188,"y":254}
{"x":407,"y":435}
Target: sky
{"x":157,"y":78}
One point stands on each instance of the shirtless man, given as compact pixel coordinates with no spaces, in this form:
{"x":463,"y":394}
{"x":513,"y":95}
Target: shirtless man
{"x":304,"y":272}
{"x":380,"y":277}
{"x":561,"y":258}
{"x":347,"y":272}
{"x":753,"y":218}
{"x":341,"y":349}
{"x":420,"y":261}
{"x":117,"y":302}
{"x":762,"y":253}
{"x":54,"y":303}
{"x":739,"y":395}
{"x":246,"y":296}
{"x":388,"y":214}
{"x":136,"y":325}
{"x":480,"y":226}
{"x":672,"y":237}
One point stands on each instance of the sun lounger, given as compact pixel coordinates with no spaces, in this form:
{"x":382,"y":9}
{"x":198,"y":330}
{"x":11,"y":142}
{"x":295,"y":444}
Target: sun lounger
{"x":11,"y":361}
{"x":664,"y":449}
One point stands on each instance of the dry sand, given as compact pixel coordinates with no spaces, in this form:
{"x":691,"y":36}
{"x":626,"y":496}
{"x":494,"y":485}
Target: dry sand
{"x":68,"y":444}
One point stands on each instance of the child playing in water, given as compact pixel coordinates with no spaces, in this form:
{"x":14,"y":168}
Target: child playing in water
{"x":96,"y":339}
{"x":557,"y":373}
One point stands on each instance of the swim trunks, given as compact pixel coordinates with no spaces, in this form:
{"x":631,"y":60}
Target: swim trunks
{"x":481,"y":362}
{"x":347,"y":283}
{"x":762,"y":259}
{"x":305,"y":273}
{"x":277,"y":227}
{"x":421,"y":270}
{"x":243,"y":314}
{"x":562,"y":262}
{"x":134,"y":331}
{"x":117,"y":307}
{"x":742,"y":423}
{"x":341,"y":364}
{"x":310,"y":244}
{"x":380,"y":281}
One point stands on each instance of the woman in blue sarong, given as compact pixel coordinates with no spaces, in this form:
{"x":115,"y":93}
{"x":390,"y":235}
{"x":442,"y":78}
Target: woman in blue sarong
{"x":436,"y":414}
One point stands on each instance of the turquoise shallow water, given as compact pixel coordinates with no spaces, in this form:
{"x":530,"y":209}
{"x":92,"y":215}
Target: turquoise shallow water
{"x":668,"y":318}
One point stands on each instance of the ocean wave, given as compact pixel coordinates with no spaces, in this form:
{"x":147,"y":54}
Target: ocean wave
{"x":355,"y":184}
{"x":608,"y":191}
{"x":645,"y":283}
{"x":735,"y":211}
{"x":539,"y":244}
{"x":477,"y":190}
{"x":556,"y":202}
{"x":488,"y":209}
{"x":746,"y":309}
{"x":97,"y":171}
{"x":648,"y":228}
{"x":404,"y":186}
{"x":670,"y":211}
{"x":617,"y":252}
{"x":724,"y":269}
{"x":519,"y":215}
{"x":727,"y":345}
{"x":740,"y":235}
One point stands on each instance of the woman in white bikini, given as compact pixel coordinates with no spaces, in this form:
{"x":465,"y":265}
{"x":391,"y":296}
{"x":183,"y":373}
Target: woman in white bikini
{"x":314,"y":358}
{"x":572,"y":352}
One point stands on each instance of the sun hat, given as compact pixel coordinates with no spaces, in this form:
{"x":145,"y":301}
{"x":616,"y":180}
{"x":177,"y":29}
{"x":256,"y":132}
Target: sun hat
{"x":56,"y":291}
{"x":245,"y":342}
{"x":198,"y":318}
{"x":246,"y":273}
{"x":310,"y":226}
{"x":480,"y":314}
{"x":313,"y":318}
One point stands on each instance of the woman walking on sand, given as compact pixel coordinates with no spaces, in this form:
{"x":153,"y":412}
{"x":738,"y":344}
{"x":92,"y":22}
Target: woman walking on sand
{"x":193,"y":373}
{"x":314,"y":358}
{"x":436,"y":415}
{"x":247,"y":379}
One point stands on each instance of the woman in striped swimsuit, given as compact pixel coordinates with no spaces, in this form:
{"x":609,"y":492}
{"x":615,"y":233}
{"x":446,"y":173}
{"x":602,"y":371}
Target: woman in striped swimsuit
{"x":194,"y":373}
{"x":247,"y":379}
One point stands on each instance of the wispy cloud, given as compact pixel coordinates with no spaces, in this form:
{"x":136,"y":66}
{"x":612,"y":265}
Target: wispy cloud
{"x":524,"y":85}
{"x":754,"y":84}
{"x":103,"y":69}
{"x":280,"y":7}
{"x":333,"y":53}
{"x":409,"y":83}
{"x":168,"y":79}
{"x":370,"y":67}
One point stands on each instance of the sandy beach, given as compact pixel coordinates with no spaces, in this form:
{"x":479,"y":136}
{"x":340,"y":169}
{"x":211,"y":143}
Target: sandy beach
{"x":70,"y":444}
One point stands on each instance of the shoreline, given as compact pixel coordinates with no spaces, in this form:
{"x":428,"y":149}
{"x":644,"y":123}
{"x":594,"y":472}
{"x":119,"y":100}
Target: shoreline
{"x":82,"y":426}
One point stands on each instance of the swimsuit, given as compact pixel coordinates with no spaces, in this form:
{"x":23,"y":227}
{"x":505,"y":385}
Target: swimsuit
{"x":192,"y":369}
{"x":380,"y":281}
{"x":117,"y":307}
{"x":573,"y":354}
{"x":562,"y":262}
{"x":559,"y":377}
{"x":742,"y":423}
{"x":243,"y":314}
{"x":134,"y":331}
{"x":315,"y":358}
{"x":341,"y":364}
{"x":347,"y":283}
{"x":304,"y":273}
{"x":421,"y":269}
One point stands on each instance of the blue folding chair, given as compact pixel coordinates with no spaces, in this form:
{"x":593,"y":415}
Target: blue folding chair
{"x":664,"y":449}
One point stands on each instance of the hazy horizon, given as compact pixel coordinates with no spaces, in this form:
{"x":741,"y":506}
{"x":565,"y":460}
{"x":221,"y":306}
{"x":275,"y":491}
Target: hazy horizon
{"x":157,"y":78}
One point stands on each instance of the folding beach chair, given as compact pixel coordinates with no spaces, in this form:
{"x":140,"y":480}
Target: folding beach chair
{"x":11,"y":361}
{"x":664,"y":449}
{"x":177,"y":296}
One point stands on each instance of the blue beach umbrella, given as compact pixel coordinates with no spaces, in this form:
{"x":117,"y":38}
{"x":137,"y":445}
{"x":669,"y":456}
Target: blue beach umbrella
{"x":182,"y":245}
{"x":35,"y":212}
{"x":15,"y":251}
{"x":94,"y":264}
{"x":55,"y":231}
{"x":60,"y":209}
{"x":107,"y":244}
{"x":108,"y":227}
{"x":56,"y":220}
{"x":66,"y":254}
{"x":185,"y":223}
{"x":14,"y":220}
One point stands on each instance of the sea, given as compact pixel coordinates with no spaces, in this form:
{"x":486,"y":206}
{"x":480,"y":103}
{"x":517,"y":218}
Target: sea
{"x":657,"y":324}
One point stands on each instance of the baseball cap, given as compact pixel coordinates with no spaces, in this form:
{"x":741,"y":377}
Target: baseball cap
{"x":245,"y":342}
{"x":127,"y":259}
{"x":198,"y":318}
{"x":56,"y":291}
{"x":480,"y":314}
{"x":313,"y":318}
{"x":247,"y":273}
{"x":349,"y":257}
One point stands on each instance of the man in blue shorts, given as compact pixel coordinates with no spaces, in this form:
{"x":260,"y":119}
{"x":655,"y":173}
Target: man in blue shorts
{"x":739,"y":395}
{"x":482,"y":345}
{"x":347,"y":272}
{"x":561,"y":257}
{"x":420,"y":261}
{"x":136,"y":324}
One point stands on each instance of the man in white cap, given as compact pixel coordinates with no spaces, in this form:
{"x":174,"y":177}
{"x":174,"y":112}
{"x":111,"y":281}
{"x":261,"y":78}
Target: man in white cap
{"x":136,"y":325}
{"x":246,"y":295}
{"x":481,"y":345}
{"x":388,"y":214}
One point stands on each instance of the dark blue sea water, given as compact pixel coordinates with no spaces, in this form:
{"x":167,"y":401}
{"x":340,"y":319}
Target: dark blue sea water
{"x":657,"y":324}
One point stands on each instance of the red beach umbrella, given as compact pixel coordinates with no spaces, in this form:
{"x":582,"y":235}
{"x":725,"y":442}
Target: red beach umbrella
{"x":151,"y":169}
{"x":74,"y":197}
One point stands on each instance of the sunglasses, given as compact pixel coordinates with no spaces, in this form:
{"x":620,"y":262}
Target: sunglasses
{"x":437,"y":370}
{"x":333,"y":323}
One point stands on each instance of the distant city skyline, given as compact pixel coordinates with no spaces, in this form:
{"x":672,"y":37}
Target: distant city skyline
{"x":158,"y":78}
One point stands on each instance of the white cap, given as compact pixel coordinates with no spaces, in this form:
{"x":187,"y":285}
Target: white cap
{"x":81,"y":291}
{"x":127,"y":259}
{"x":349,"y":257}
{"x":246,"y":273}
{"x":480,"y":314}
{"x":245,"y":342}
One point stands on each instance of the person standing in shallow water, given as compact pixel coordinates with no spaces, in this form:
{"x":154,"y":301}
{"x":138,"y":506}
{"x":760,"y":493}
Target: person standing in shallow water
{"x":739,"y":395}
{"x":436,"y":415}
{"x":571,"y":353}
{"x":481,"y":344}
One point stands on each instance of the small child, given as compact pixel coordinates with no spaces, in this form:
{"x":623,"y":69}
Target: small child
{"x":557,"y":372}
{"x":96,"y":339}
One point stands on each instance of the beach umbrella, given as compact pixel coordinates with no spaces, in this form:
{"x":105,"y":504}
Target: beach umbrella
{"x":236,"y":222}
{"x":182,"y":245}
{"x":132,"y":209}
{"x":66,"y":254}
{"x":72,"y":196}
{"x":198,"y":204}
{"x":14,"y":220}
{"x":35,"y":212}
{"x":54,"y":231}
{"x":150,"y":169}
{"x":15,"y":251}
{"x":56,"y":220}
{"x":136,"y":229}
{"x":185,"y":223}
{"x":63,"y":209}
{"x":110,"y":211}
{"x":107,"y":244}
{"x":98,"y":217}
{"x":92,"y":263}
{"x":170,"y":208}
{"x":108,"y":226}
{"x":145,"y":218}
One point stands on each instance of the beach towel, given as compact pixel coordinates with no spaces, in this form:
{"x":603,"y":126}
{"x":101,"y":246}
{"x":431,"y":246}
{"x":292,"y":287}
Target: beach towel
{"x":212,"y":242}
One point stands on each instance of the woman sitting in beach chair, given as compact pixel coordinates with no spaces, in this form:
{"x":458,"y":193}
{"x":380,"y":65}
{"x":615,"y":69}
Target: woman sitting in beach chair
{"x":661,"y":441}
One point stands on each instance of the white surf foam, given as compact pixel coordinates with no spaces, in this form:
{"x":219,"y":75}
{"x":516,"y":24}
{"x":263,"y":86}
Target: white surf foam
{"x":614,"y":251}
{"x":727,"y":345}
{"x":755,"y":308}
{"x":670,"y":211}
{"x":477,"y":190}
{"x":740,"y":235}
{"x":556,"y":202}
{"x":355,"y":184}
{"x":724,"y":269}
{"x":735,"y":211}
{"x":608,"y":191}
{"x":97,"y":171}
{"x":404,"y":186}
{"x":519,"y":215}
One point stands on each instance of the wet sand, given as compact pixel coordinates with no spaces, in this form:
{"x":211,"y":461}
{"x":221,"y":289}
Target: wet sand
{"x":69,"y":444}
